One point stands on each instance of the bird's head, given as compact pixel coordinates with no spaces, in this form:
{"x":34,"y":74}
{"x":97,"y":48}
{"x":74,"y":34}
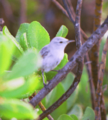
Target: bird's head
{"x":60,"y":42}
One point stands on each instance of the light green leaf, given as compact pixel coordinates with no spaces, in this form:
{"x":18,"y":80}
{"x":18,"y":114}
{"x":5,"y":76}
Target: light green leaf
{"x":23,"y":41}
{"x":37,"y":36}
{"x":53,"y":96}
{"x":63,"y":31}
{"x":74,"y":117}
{"x":67,"y":82}
{"x":77,"y":110}
{"x":28,"y":63}
{"x":17,"y":109}
{"x":19,"y":88}
{"x":51,"y":74}
{"x":18,"y":48}
{"x":22,"y":29}
{"x":6,"y":50}
{"x":65,"y":117}
{"x":89,"y":114}
{"x":84,"y":89}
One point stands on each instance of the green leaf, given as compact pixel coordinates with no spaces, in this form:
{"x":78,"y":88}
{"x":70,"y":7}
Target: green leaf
{"x":65,"y":117}
{"x":17,"y":109}
{"x":53,"y":96}
{"x":23,"y":41}
{"x":63,"y":31}
{"x":6,"y":50}
{"x":77,"y":110}
{"x":67,"y":82}
{"x":51,"y":74}
{"x":89,"y":114}
{"x":19,"y":88}
{"x":28,"y":63}
{"x":74,"y":117}
{"x":84,"y":89}
{"x":18,"y":48}
{"x":22,"y":29}
{"x":37,"y":36}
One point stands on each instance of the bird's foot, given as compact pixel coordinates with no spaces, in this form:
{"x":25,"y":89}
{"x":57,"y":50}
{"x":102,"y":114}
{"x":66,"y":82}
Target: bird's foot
{"x":46,"y":87}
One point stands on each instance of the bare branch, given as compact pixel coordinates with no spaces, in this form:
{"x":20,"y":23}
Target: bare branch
{"x":68,"y":11}
{"x":72,"y":63}
{"x":95,"y":50}
{"x":99,"y":92}
{"x":77,"y":24}
{"x":22,"y":11}
{"x":60,"y":7}
{"x":88,"y":66}
{"x":1,"y":23}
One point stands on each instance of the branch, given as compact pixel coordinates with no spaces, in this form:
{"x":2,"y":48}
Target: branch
{"x":1,"y":23}
{"x":41,"y":106}
{"x":95,"y":50}
{"x":77,"y":24}
{"x":99,"y":92}
{"x":72,"y":63}
{"x":88,"y":67}
{"x":22,"y":11}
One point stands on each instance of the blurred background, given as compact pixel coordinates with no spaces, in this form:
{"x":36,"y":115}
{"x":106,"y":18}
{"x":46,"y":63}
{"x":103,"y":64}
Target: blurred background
{"x":15,"y":12}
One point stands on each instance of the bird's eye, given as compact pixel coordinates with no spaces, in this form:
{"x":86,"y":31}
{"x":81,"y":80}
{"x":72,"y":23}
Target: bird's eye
{"x":61,"y":42}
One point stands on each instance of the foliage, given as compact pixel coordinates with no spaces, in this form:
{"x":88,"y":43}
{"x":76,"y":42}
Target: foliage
{"x":19,"y":65}
{"x":20,"y":76}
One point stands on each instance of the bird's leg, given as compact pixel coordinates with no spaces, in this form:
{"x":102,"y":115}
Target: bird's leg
{"x":43,"y":77}
{"x":45,"y":85}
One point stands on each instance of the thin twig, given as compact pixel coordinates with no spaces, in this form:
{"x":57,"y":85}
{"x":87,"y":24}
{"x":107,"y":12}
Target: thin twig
{"x":65,"y":12}
{"x":41,"y":106}
{"x":22,"y":11}
{"x":68,"y":11}
{"x":88,"y":67}
{"x":1,"y":23}
{"x":99,"y":91}
{"x":93,"y":39}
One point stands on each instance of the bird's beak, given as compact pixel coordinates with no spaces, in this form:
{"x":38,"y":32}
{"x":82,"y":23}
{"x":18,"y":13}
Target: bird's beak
{"x":69,"y":41}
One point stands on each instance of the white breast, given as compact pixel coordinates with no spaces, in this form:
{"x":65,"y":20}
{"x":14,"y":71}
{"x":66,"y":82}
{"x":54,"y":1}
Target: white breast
{"x":52,"y":60}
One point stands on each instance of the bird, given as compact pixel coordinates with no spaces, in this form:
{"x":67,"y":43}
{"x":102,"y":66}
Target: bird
{"x":52,"y":54}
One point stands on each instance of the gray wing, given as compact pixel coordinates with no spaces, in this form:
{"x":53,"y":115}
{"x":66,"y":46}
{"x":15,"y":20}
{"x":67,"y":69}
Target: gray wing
{"x":44,"y":51}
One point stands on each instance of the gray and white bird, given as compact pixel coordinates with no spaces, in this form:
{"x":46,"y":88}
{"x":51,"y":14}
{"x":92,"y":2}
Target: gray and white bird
{"x":53,"y":53}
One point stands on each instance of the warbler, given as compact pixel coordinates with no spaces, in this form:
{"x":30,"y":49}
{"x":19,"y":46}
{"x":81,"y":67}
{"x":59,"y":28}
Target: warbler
{"x":53,"y":53}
